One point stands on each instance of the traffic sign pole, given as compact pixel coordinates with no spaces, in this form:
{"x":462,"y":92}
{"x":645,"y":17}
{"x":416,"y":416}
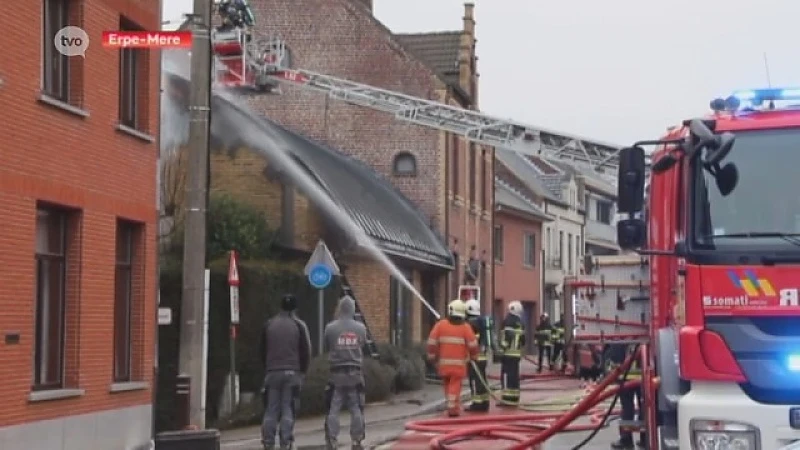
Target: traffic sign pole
{"x":320,"y":269}
{"x":233,"y":282}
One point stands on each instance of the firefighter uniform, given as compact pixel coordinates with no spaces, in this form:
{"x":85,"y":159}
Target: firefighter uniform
{"x":544,"y":341}
{"x":451,"y":345}
{"x":511,"y":343}
{"x":482,"y":327}
{"x":559,"y":341}
{"x":630,"y":399}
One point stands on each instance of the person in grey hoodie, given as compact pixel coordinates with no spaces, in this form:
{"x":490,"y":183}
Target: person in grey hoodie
{"x":345,"y":339}
{"x":286,"y":352}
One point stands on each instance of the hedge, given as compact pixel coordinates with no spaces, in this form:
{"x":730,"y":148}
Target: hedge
{"x":263,"y":283}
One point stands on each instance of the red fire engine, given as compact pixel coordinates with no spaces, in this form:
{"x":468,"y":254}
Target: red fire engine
{"x":712,"y":296}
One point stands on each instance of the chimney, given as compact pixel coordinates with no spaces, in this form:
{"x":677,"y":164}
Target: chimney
{"x":469,"y":19}
{"x":366,"y":3}
{"x":466,"y":55}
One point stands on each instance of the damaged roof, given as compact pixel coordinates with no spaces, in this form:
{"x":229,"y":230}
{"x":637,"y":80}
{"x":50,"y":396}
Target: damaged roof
{"x":438,"y":50}
{"x":374,"y":204}
{"x":382,"y":211}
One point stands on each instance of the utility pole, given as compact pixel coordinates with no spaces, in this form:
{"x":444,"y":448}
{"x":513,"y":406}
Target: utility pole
{"x":194,"y":252}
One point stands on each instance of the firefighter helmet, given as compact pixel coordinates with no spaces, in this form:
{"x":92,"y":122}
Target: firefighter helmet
{"x":515,"y":308}
{"x":473,"y":307}
{"x":456,"y":308}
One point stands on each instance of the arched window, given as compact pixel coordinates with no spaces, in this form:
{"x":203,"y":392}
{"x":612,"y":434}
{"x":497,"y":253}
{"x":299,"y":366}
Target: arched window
{"x":404,"y":165}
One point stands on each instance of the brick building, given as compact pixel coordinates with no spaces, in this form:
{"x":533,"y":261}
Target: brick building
{"x":449,"y":181}
{"x":518,"y":251}
{"x":78,"y":202}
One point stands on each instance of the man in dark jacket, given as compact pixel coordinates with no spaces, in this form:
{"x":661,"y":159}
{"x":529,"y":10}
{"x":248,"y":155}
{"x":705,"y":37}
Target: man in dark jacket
{"x":286,"y":352}
{"x":345,"y":338}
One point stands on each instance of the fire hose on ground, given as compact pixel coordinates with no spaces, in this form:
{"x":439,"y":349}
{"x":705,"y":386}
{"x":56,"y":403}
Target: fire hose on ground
{"x":531,"y":428}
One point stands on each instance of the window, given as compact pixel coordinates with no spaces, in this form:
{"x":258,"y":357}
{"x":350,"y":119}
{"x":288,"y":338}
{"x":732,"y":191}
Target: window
{"x":454,"y":150}
{"x":570,"y":255}
{"x":529,"y":250}
{"x":763,"y":207}
{"x":51,"y":299}
{"x":603,"y":211}
{"x":404,"y":164}
{"x":472,"y":172}
{"x":123,"y":301}
{"x":56,"y":74}
{"x":485,"y":183}
{"x":133,"y":79}
{"x":561,"y":249}
{"x":498,"y":243}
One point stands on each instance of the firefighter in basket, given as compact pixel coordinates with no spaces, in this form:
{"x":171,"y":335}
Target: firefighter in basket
{"x":482,"y":327}
{"x":512,"y":341}
{"x":235,"y":14}
{"x":451,"y":346}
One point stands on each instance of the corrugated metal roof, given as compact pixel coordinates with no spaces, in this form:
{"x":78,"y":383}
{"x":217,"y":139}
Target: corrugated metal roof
{"x":438,"y":50}
{"x":375,"y":205}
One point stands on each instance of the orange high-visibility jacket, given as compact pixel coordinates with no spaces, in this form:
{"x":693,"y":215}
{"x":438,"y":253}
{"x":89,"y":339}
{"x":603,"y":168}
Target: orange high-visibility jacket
{"x":452,"y":346}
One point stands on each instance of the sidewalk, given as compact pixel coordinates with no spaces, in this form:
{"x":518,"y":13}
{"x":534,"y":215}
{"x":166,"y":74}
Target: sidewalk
{"x":309,"y":432}
{"x":385,"y":421}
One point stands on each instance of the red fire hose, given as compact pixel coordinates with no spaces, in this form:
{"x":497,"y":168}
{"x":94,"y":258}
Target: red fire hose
{"x":526,"y":429}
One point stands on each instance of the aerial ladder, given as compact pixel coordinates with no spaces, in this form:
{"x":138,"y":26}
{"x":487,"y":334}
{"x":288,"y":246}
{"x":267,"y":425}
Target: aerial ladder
{"x":251,"y":63}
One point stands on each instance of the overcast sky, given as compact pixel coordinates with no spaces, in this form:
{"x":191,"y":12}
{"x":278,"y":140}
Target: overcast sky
{"x":618,"y":70}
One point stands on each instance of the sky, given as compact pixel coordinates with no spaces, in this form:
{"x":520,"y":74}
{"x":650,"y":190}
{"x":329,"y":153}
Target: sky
{"x":617,"y":70}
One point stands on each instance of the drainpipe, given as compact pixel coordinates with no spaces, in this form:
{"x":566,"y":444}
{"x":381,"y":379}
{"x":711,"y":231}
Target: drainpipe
{"x":447,"y":161}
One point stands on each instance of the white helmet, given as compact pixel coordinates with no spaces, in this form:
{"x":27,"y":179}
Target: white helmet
{"x":473,"y":307}
{"x":515,"y":308}
{"x":456,"y":308}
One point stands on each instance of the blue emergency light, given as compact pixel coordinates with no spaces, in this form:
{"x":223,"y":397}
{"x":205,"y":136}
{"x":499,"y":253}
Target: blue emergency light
{"x":793,"y":363}
{"x":754,"y":97}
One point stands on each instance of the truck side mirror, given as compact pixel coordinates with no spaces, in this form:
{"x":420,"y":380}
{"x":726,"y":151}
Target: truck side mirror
{"x":631,"y":234}
{"x":630,"y":180}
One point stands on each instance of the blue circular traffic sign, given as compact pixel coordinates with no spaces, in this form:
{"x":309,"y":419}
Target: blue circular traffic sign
{"x":320,"y":276}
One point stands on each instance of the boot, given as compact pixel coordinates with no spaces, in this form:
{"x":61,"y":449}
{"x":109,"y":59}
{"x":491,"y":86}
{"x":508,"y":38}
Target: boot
{"x":331,"y":444}
{"x":623,"y":444}
{"x":356,"y":446}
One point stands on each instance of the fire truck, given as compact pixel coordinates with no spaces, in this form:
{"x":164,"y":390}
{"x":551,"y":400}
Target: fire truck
{"x":711,"y":293}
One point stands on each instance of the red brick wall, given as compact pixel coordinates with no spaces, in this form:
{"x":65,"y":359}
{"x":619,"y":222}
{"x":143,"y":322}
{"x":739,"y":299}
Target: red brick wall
{"x":83,"y":162}
{"x":340,"y":38}
{"x":514,"y":280}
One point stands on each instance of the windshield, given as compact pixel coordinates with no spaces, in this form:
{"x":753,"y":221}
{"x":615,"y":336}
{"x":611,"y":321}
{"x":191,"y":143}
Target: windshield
{"x":764,"y":208}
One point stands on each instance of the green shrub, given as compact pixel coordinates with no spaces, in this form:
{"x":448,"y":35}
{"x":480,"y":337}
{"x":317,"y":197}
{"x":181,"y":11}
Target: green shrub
{"x":233,"y":224}
{"x":408,"y":364}
{"x":377,"y":379}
